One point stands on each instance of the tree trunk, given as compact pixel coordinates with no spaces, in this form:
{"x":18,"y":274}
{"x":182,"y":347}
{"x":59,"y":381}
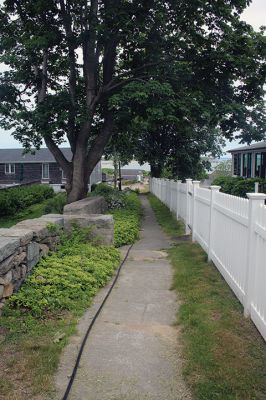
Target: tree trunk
{"x":156,"y":170}
{"x":78,"y":187}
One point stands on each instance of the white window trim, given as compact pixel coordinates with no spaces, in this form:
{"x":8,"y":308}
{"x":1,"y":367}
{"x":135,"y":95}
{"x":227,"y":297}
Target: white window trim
{"x":63,"y":176}
{"x":8,"y":169}
{"x":48,"y":171}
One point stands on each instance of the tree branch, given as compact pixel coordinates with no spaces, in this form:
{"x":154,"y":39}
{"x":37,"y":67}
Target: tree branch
{"x":99,"y":143}
{"x":70,"y":39}
{"x":58,"y":155}
{"x":89,"y":56}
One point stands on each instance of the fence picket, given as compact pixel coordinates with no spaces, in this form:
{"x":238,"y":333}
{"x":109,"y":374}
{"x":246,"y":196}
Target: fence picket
{"x":232,"y":230}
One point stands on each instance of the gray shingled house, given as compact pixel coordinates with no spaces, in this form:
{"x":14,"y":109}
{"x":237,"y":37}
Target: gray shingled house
{"x":249,"y":161}
{"x":16,"y":167}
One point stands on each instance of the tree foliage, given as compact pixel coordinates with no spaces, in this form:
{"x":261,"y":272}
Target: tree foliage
{"x":87,"y":69}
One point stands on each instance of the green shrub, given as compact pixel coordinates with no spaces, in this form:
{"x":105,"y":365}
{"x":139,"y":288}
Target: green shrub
{"x":114,"y":197}
{"x":127,"y":220}
{"x":56,"y":204}
{"x":237,"y":186}
{"x":19,"y":198}
{"x":68,"y":279}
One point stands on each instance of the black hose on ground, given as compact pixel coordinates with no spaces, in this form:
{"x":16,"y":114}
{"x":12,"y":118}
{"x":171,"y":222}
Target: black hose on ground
{"x":74,"y":371}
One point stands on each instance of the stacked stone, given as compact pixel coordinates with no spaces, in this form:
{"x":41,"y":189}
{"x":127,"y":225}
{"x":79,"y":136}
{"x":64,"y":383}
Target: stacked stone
{"x":21,"y":247}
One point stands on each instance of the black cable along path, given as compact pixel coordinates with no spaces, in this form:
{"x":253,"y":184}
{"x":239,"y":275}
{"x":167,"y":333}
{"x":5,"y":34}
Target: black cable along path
{"x":74,"y":371}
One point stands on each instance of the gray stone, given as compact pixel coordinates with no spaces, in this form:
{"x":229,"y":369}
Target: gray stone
{"x":8,"y":290}
{"x":19,"y":258}
{"x":32,"y":263}
{"x":33,"y":251}
{"x":1,"y":291}
{"x":23,"y":271}
{"x":7,"y":264}
{"x":44,"y":249}
{"x":7,"y":278}
{"x":102,"y":226}
{"x":89,"y":205}
{"x":8,"y":246}
{"x":24,"y":235}
{"x":51,"y":242}
{"x":56,"y":219}
{"x":16,"y":273}
{"x":38,"y":227}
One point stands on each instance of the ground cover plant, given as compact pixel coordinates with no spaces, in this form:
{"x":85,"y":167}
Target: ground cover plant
{"x":37,"y":321}
{"x":126,"y":210}
{"x":224,"y":354}
{"x":17,"y":199}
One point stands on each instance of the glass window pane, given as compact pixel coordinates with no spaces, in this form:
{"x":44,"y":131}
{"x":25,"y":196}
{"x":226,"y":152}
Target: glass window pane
{"x":45,"y":171}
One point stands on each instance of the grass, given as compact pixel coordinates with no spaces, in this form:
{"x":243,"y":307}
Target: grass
{"x":165,"y":218}
{"x":225,"y":356}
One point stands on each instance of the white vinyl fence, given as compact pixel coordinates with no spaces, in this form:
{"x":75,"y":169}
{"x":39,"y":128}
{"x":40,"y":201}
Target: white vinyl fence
{"x":231,"y":230}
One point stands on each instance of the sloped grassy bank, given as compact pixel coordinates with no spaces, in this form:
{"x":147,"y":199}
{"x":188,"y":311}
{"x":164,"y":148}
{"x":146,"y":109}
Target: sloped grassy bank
{"x":225,"y":356}
{"x":38,"y":320}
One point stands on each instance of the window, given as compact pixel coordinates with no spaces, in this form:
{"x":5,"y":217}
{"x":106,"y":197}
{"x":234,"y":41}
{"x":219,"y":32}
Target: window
{"x":10,"y":169}
{"x":237,"y":164}
{"x":45,"y":171}
{"x":258,"y":160}
{"x":263,"y":166}
{"x":63,"y":175}
{"x":247,"y":165}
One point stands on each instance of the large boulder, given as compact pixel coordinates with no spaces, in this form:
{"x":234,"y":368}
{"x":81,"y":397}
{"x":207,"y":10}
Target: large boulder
{"x":102,"y":226}
{"x":89,"y":205}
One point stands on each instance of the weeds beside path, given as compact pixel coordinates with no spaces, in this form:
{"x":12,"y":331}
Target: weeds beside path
{"x":225,"y":355}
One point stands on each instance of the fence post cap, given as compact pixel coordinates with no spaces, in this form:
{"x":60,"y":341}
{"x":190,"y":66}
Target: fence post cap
{"x":196,"y":182}
{"x":256,"y":196}
{"x":188,"y":180}
{"x":215,"y":188}
{"x":179,"y":180}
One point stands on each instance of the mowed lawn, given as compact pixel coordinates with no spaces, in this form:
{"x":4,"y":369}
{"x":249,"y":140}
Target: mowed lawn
{"x":224,"y":355}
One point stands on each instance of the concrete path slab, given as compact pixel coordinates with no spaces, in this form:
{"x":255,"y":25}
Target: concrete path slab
{"x":133,"y":352}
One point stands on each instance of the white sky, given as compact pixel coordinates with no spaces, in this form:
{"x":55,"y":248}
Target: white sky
{"x":255,"y":15}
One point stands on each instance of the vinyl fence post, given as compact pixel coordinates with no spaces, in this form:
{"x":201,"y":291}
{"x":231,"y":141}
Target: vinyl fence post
{"x":194,"y":209}
{"x":178,"y":198}
{"x":256,"y":200}
{"x":171,"y":195}
{"x":214,"y":189}
{"x":161,"y":189}
{"x":188,"y":182}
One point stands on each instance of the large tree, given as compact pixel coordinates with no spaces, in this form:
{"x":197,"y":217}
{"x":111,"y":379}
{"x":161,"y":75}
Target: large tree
{"x":67,"y":59}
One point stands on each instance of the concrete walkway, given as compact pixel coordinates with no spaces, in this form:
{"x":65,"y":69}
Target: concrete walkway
{"x":133,"y":351}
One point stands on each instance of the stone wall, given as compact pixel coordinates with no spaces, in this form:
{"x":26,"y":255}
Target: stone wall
{"x":90,"y":205}
{"x":22,"y":246}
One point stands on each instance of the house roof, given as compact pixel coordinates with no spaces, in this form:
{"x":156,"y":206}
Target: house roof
{"x":41,"y":156}
{"x":126,"y":171}
{"x":255,"y":146}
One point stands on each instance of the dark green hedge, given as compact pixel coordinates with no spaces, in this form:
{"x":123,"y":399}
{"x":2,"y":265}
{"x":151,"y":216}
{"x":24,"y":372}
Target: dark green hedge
{"x":237,"y":186}
{"x":16,"y":199}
